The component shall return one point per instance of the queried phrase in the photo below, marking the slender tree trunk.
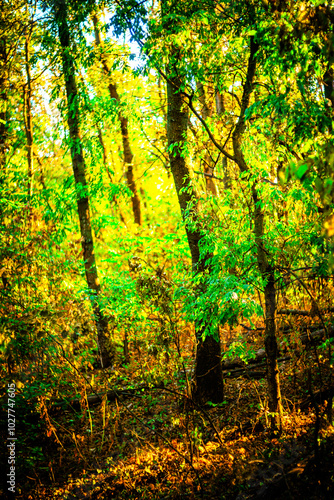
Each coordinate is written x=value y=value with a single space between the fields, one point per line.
x=78 y=164
x=209 y=164
x=329 y=83
x=27 y=114
x=162 y=100
x=271 y=347
x=105 y=163
x=4 y=80
x=265 y=268
x=208 y=371
x=127 y=153
x=4 y=85
x=104 y=151
x=220 y=109
x=219 y=101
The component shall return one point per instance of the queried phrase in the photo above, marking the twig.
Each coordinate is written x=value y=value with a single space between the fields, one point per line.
x=209 y=175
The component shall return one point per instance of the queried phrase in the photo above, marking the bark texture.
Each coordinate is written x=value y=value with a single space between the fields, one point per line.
x=78 y=164
x=127 y=152
x=208 y=370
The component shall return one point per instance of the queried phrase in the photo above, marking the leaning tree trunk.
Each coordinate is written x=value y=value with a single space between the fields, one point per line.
x=208 y=370
x=78 y=164
x=127 y=153
x=265 y=268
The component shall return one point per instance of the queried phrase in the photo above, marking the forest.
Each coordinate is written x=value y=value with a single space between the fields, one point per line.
x=167 y=249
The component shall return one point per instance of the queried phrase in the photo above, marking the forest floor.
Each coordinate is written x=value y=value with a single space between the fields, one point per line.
x=149 y=441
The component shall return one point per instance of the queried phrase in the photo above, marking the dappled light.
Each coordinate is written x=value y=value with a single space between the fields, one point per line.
x=166 y=250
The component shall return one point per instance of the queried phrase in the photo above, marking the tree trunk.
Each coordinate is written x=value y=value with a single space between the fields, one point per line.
x=270 y=340
x=4 y=80
x=105 y=163
x=209 y=164
x=329 y=93
x=265 y=268
x=80 y=180
x=5 y=66
x=208 y=370
x=219 y=100
x=27 y=114
x=127 y=153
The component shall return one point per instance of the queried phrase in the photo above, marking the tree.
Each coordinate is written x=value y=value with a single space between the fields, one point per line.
x=206 y=99
x=127 y=153
x=208 y=371
x=60 y=12
x=27 y=105
x=263 y=254
x=5 y=50
x=12 y=26
x=263 y=257
x=10 y=34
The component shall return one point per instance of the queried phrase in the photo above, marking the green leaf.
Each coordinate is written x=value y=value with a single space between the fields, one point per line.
x=301 y=171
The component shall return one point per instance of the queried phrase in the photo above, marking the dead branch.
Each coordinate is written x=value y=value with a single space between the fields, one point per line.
x=301 y=312
x=94 y=399
x=231 y=369
x=316 y=336
x=250 y=370
x=307 y=338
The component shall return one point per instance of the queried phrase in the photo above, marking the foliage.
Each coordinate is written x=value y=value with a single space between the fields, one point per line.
x=151 y=298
